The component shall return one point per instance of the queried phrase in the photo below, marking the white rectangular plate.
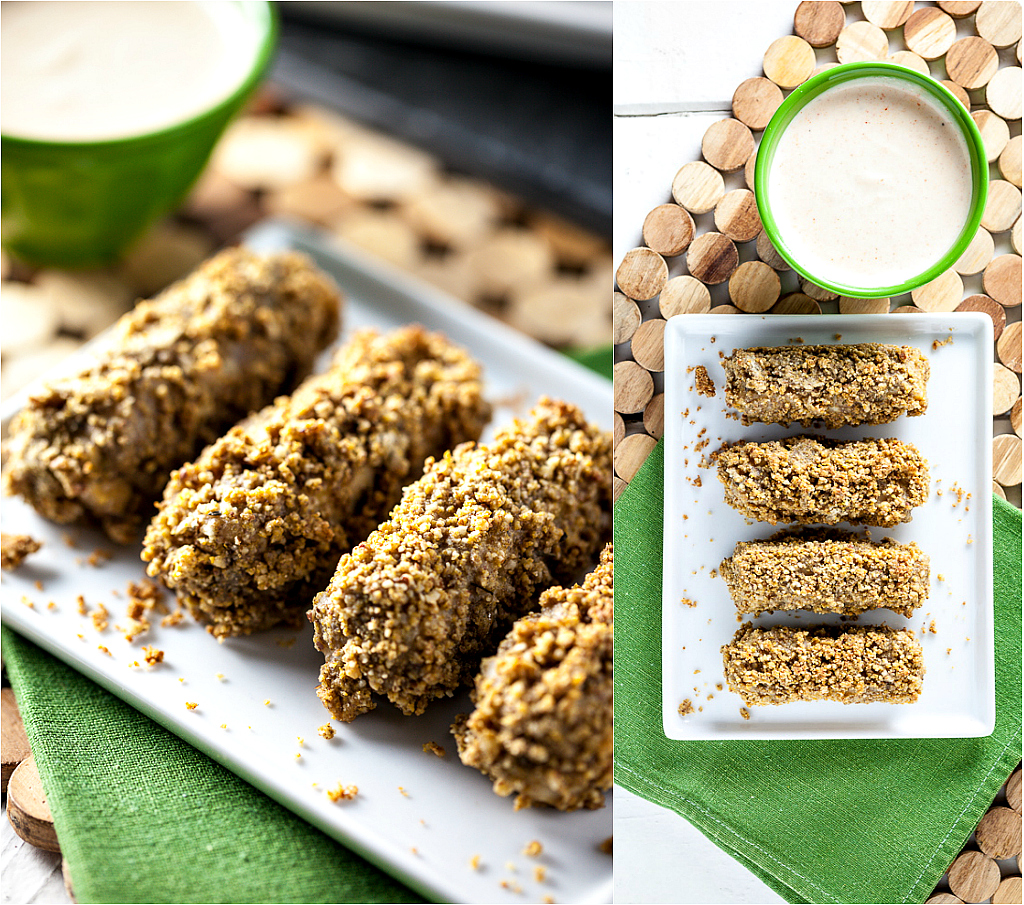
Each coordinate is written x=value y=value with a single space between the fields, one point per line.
x=420 y=817
x=954 y=527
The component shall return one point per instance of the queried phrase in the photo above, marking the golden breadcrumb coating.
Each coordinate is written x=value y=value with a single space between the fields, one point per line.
x=251 y=530
x=410 y=612
x=542 y=727
x=179 y=370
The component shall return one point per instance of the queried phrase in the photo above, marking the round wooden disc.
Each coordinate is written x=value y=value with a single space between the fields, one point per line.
x=1009 y=161
x=990 y=307
x=631 y=453
x=849 y=305
x=633 y=387
x=1006 y=464
x=957 y=92
x=725 y=309
x=767 y=253
x=789 y=61
x=755 y=100
x=642 y=273
x=862 y=41
x=13 y=741
x=727 y=145
x=994 y=132
x=959 y=9
x=1013 y=784
x=978 y=254
x=911 y=60
x=1002 y=208
x=648 y=345
x=971 y=62
x=654 y=416
x=750 y=170
x=1003 y=92
x=907 y=309
x=65 y=873
x=1008 y=347
x=618 y=485
x=1005 y=392
x=973 y=876
x=754 y=287
x=998 y=22
x=698 y=187
x=816 y=292
x=1009 y=891
x=685 y=295
x=929 y=32
x=797 y=303
x=999 y=492
x=1002 y=280
x=944 y=898
x=712 y=258
x=626 y=317
x=668 y=229
x=819 y=23
x=943 y=293
x=1016 y=423
x=736 y=215
x=887 y=13
x=27 y=808
x=618 y=428
x=1015 y=235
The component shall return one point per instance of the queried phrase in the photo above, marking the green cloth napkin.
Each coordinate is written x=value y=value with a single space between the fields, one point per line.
x=862 y=821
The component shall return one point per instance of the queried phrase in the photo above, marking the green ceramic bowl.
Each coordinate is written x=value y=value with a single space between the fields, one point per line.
x=822 y=82
x=77 y=204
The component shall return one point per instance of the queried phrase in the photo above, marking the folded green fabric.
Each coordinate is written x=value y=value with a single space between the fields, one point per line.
x=862 y=821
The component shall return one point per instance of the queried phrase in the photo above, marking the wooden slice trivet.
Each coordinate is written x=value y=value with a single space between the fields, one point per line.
x=712 y=258
x=994 y=133
x=457 y=212
x=849 y=305
x=698 y=187
x=65 y=873
x=618 y=485
x=789 y=61
x=862 y=41
x=572 y=244
x=27 y=809
x=558 y=312
x=648 y=345
x=929 y=32
x=626 y=317
x=999 y=833
x=971 y=62
x=1009 y=891
x=1017 y=425
x=957 y=92
x=797 y=303
x=1014 y=782
x=973 y=877
x=755 y=100
x=267 y=152
x=618 y=428
x=736 y=215
x=911 y=60
x=908 y=309
x=725 y=309
x=510 y=258
x=767 y=253
x=1002 y=280
x=750 y=171
x=1009 y=161
x=1003 y=92
x=319 y=199
x=727 y=145
x=816 y=292
x=978 y=255
x=1015 y=235
x=385 y=234
x=684 y=295
x=1008 y=347
x=1002 y=208
x=999 y=22
x=654 y=416
x=819 y=23
x=990 y=306
x=13 y=741
x=631 y=453
x=999 y=492
x=668 y=229
x=959 y=9
x=887 y=13
x=642 y=273
x=943 y=293
x=944 y=898
x=754 y=287
x=633 y=387
x=1006 y=463
x=1005 y=392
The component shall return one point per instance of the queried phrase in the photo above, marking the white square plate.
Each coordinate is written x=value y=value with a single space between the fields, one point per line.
x=420 y=817
x=954 y=529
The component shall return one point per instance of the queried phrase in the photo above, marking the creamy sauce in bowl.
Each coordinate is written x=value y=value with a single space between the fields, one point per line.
x=870 y=184
x=94 y=71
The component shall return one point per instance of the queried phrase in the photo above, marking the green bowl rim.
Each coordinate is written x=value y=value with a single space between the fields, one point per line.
x=811 y=89
x=261 y=60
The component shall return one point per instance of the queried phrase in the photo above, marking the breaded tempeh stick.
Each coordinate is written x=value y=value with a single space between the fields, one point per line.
x=250 y=531
x=864 y=383
x=542 y=727
x=826 y=572
x=812 y=480
x=411 y=611
x=179 y=371
x=857 y=664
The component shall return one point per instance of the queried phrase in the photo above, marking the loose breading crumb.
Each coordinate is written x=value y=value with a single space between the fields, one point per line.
x=104 y=649
x=705 y=385
x=548 y=900
x=510 y=867
x=27 y=602
x=474 y=862
x=225 y=726
x=402 y=792
x=99 y=618
x=326 y=731
x=98 y=556
x=191 y=705
x=686 y=707
x=539 y=873
x=745 y=713
x=51 y=605
x=80 y=603
x=606 y=846
x=172 y=618
x=533 y=849
x=342 y=793
x=932 y=628
x=286 y=643
x=152 y=655
x=686 y=601
x=14 y=548
x=267 y=703
x=219 y=677
x=434 y=748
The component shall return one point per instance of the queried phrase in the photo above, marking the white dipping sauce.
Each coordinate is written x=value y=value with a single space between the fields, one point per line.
x=89 y=71
x=870 y=184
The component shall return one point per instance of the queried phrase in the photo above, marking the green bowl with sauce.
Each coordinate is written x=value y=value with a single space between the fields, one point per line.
x=871 y=179
x=81 y=203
